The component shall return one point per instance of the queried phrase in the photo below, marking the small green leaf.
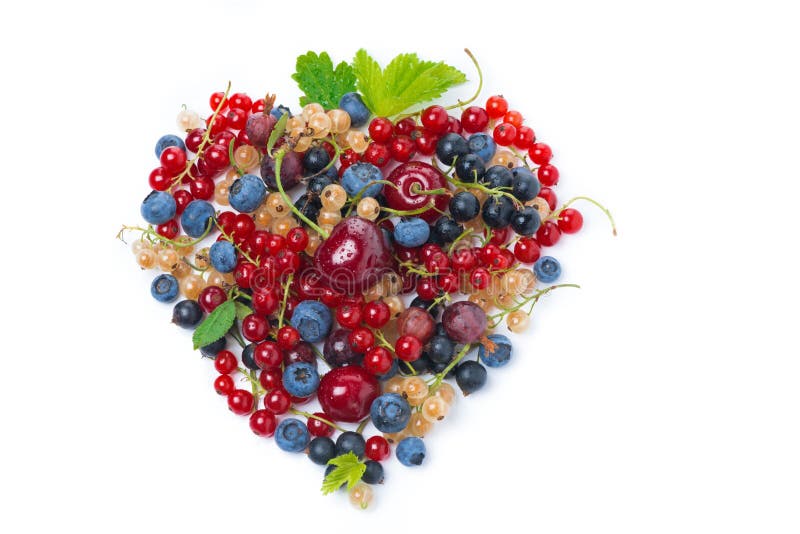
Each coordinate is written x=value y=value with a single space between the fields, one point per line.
x=349 y=470
x=277 y=131
x=242 y=310
x=215 y=325
x=320 y=82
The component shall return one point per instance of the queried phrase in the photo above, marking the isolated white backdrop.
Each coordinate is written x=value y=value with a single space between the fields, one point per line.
x=660 y=397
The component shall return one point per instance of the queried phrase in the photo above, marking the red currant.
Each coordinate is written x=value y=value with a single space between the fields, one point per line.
x=241 y=401
x=240 y=100
x=548 y=234
x=194 y=139
x=223 y=385
x=405 y=126
x=447 y=282
x=496 y=106
x=182 y=199
x=243 y=273
x=513 y=117
x=570 y=221
x=243 y=226
x=297 y=239
x=525 y=138
x=277 y=401
x=540 y=153
x=225 y=363
x=288 y=337
x=463 y=260
x=435 y=119
x=160 y=179
x=275 y=244
x=474 y=119
x=527 y=250
x=348 y=316
x=378 y=360
x=408 y=348
x=267 y=355
x=217 y=157
x=361 y=339
x=376 y=314
x=454 y=125
x=426 y=142
x=271 y=378
x=317 y=428
x=202 y=188
x=377 y=154
x=173 y=160
x=550 y=196
x=255 y=327
x=217 y=99
x=504 y=134
x=263 y=423
x=479 y=278
x=168 y=229
x=548 y=175
x=377 y=448
x=437 y=262
x=211 y=297
x=265 y=302
x=402 y=148
x=381 y=129
x=426 y=289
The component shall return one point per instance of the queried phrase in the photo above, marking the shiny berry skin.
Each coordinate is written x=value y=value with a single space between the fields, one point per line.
x=570 y=221
x=540 y=153
x=378 y=360
x=435 y=119
x=405 y=126
x=377 y=448
x=426 y=142
x=217 y=157
x=504 y=134
x=263 y=423
x=463 y=260
x=182 y=198
x=271 y=378
x=408 y=348
x=240 y=100
x=513 y=117
x=194 y=139
x=426 y=288
x=317 y=428
x=346 y=393
x=348 y=316
x=267 y=355
x=376 y=314
x=243 y=273
x=401 y=148
x=479 y=278
x=496 y=106
x=211 y=297
x=241 y=402
x=255 y=327
x=525 y=138
x=548 y=175
x=243 y=225
x=548 y=234
x=216 y=99
x=349 y=157
x=225 y=363
x=550 y=196
x=168 y=229
x=159 y=179
x=454 y=125
x=277 y=401
x=202 y=188
x=378 y=154
x=437 y=262
x=381 y=129
x=297 y=239
x=223 y=385
x=361 y=339
x=447 y=282
x=474 y=119
x=173 y=160
x=527 y=250
x=288 y=337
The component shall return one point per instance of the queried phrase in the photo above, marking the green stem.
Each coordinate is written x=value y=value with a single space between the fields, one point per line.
x=238 y=170
x=229 y=238
x=354 y=201
x=278 y=160
x=496 y=318
x=362 y=425
x=253 y=381
x=318 y=418
x=481 y=187
x=554 y=215
x=284 y=299
x=522 y=157
x=440 y=376
x=152 y=234
x=400 y=213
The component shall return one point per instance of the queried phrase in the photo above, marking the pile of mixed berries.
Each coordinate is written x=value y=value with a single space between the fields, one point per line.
x=359 y=262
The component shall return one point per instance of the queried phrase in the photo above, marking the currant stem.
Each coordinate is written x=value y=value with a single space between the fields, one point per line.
x=286 y=286
x=533 y=299
x=254 y=383
x=236 y=168
x=440 y=376
x=402 y=213
x=318 y=418
x=229 y=238
x=278 y=160
x=152 y=234
x=481 y=187
x=357 y=198
x=362 y=425
x=554 y=215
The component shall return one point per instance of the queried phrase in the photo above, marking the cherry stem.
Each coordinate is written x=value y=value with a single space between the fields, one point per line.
x=555 y=214
x=440 y=376
x=286 y=286
x=417 y=190
x=278 y=161
x=498 y=317
x=318 y=418
x=355 y=200
x=402 y=213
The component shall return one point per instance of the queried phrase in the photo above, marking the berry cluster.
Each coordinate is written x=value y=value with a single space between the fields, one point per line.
x=348 y=295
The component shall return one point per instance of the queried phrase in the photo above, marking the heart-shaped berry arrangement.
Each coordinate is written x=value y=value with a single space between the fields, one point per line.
x=349 y=294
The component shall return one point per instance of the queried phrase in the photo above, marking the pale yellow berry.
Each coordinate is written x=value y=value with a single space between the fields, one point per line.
x=216 y=278
x=329 y=217
x=435 y=408
x=513 y=283
x=302 y=144
x=357 y=141
x=368 y=208
x=340 y=120
x=282 y=225
x=506 y=301
x=181 y=270
x=418 y=426
x=482 y=300
x=314 y=241
x=146 y=258
x=446 y=392
x=394 y=385
x=361 y=495
x=415 y=390
x=295 y=123
x=167 y=259
x=518 y=321
x=327 y=228
x=320 y=124
x=201 y=259
x=528 y=280
x=541 y=206
x=396 y=305
x=333 y=197
x=309 y=110
x=505 y=158
x=140 y=245
x=396 y=437
x=246 y=157
x=191 y=286
x=392 y=283
x=276 y=206
x=262 y=217
x=188 y=120
x=184 y=248
x=221 y=194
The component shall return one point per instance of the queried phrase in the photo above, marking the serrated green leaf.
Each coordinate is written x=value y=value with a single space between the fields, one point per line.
x=277 y=131
x=406 y=81
x=320 y=82
x=242 y=310
x=215 y=325
x=349 y=470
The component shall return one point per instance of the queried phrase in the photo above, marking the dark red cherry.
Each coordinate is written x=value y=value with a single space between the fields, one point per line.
x=346 y=393
x=412 y=177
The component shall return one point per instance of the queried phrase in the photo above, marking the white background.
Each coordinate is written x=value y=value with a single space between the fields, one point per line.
x=661 y=397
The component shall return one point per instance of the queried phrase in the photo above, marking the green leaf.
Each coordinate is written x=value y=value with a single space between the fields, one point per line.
x=215 y=325
x=277 y=131
x=406 y=81
x=242 y=310
x=349 y=470
x=320 y=82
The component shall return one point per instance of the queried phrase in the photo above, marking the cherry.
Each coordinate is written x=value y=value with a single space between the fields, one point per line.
x=381 y=129
x=411 y=177
x=377 y=448
x=548 y=234
x=434 y=119
x=540 y=153
x=474 y=119
x=317 y=428
x=255 y=327
x=223 y=384
x=225 y=363
x=211 y=297
x=570 y=221
x=408 y=348
x=346 y=393
x=548 y=175
x=241 y=402
x=496 y=106
x=263 y=423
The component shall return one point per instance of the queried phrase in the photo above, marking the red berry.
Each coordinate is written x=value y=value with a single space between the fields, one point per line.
x=258 y=106
x=499 y=235
x=348 y=316
x=275 y=244
x=426 y=142
x=474 y=119
x=271 y=378
x=376 y=314
x=378 y=360
x=496 y=106
x=550 y=196
x=377 y=448
x=173 y=160
x=182 y=199
x=426 y=289
x=194 y=139
x=217 y=157
x=225 y=363
x=288 y=261
x=408 y=348
x=263 y=423
x=255 y=327
x=548 y=234
x=381 y=129
x=241 y=401
x=428 y=250
x=211 y=297
x=540 y=153
x=361 y=339
x=216 y=124
x=349 y=157
x=548 y=175
x=223 y=384
x=243 y=273
x=463 y=260
x=217 y=99
x=243 y=226
x=277 y=401
x=288 y=337
x=317 y=428
x=377 y=154
x=267 y=355
x=330 y=297
x=202 y=188
x=159 y=179
x=297 y=239
x=525 y=138
x=513 y=117
x=265 y=302
x=402 y=148
x=437 y=262
x=168 y=229
x=226 y=221
x=504 y=134
x=435 y=119
x=454 y=125
x=224 y=139
x=479 y=278
x=447 y=282
x=240 y=100
x=405 y=126
x=570 y=221
x=527 y=250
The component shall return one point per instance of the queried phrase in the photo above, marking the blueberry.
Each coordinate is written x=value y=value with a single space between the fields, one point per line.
x=318 y=183
x=247 y=193
x=350 y=442
x=223 y=256
x=167 y=141
x=450 y=147
x=196 y=217
x=300 y=379
x=482 y=145
x=390 y=412
x=525 y=186
x=292 y=435
x=464 y=206
x=164 y=288
x=499 y=354
x=321 y=450
x=315 y=159
x=470 y=168
x=547 y=269
x=441 y=349
x=248 y=359
x=470 y=376
x=497 y=211
x=447 y=229
x=410 y=451
x=354 y=106
x=526 y=221
x=212 y=349
x=358 y=175
x=337 y=351
x=374 y=473
x=280 y=111
x=313 y=320
x=498 y=176
x=187 y=314
x=391 y=372
x=158 y=207
x=309 y=206
x=412 y=232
